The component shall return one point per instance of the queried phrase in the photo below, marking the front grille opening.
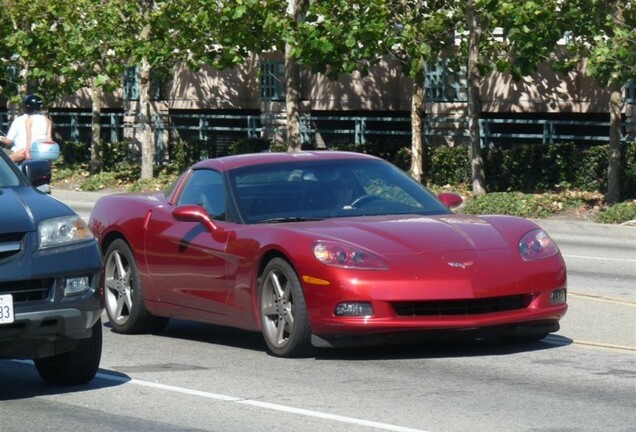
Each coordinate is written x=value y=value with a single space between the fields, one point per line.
x=462 y=307
x=49 y=323
x=11 y=244
x=28 y=290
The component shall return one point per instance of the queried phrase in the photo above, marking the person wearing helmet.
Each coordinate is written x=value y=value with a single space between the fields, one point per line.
x=31 y=126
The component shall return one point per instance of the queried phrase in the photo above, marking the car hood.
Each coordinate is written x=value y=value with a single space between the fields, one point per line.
x=24 y=207
x=400 y=235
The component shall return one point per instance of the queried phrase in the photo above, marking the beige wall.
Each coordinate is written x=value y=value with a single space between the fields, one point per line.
x=383 y=89
x=386 y=89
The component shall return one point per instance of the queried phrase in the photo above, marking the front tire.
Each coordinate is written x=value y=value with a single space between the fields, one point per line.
x=124 y=295
x=283 y=311
x=74 y=367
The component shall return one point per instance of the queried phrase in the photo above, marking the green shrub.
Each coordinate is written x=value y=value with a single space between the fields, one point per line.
x=589 y=168
x=159 y=183
x=396 y=153
x=512 y=203
x=447 y=165
x=73 y=153
x=628 y=183
x=116 y=154
x=619 y=213
x=255 y=145
x=100 y=181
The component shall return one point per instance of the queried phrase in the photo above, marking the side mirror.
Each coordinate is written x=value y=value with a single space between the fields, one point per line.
x=194 y=213
x=38 y=172
x=450 y=200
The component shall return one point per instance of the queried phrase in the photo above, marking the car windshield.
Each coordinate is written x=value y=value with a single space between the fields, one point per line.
x=302 y=191
x=8 y=177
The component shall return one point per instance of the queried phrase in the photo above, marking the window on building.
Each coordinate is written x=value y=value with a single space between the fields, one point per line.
x=445 y=84
x=630 y=92
x=131 y=85
x=273 y=80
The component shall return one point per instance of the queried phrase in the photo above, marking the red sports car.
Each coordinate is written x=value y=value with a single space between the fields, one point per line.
x=323 y=249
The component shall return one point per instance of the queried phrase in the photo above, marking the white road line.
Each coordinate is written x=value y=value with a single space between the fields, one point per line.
x=600 y=258
x=259 y=404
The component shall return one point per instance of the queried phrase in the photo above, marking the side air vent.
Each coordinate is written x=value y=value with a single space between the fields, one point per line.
x=10 y=245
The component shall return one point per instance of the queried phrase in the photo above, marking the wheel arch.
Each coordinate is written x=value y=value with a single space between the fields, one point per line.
x=265 y=259
x=109 y=238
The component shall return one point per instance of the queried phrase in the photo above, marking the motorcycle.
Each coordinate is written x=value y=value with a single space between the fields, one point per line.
x=42 y=150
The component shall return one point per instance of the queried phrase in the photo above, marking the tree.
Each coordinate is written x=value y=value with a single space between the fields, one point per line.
x=410 y=32
x=91 y=53
x=196 y=32
x=506 y=36
x=419 y=33
x=296 y=10
x=605 y=36
x=316 y=38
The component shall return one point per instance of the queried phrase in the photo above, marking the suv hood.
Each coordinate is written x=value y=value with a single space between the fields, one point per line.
x=22 y=209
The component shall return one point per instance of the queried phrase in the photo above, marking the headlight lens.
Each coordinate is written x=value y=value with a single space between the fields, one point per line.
x=344 y=256
x=62 y=231
x=537 y=245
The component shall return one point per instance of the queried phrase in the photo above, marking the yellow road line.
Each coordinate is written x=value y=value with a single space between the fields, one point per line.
x=605 y=346
x=601 y=298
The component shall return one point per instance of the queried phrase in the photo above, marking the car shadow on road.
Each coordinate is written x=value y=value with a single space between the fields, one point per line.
x=213 y=334
x=20 y=380
x=436 y=349
x=428 y=348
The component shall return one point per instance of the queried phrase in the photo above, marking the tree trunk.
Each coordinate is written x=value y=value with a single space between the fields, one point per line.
x=96 y=129
x=296 y=11
x=144 y=114
x=474 y=102
x=292 y=102
x=614 y=156
x=147 y=142
x=417 y=109
x=615 y=106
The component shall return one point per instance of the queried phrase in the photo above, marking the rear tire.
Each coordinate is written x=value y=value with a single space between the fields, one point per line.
x=124 y=295
x=283 y=311
x=74 y=367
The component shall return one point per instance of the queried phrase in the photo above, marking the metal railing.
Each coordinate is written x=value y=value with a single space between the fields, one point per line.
x=76 y=126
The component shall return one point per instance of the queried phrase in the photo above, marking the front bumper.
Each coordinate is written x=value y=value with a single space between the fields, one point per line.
x=46 y=333
x=46 y=321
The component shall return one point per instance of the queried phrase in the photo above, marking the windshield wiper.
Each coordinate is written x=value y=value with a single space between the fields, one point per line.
x=289 y=219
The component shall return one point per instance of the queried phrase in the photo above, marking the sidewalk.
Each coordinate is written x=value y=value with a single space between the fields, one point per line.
x=78 y=200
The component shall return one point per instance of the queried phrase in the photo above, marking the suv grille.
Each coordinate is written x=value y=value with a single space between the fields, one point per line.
x=28 y=290
x=462 y=307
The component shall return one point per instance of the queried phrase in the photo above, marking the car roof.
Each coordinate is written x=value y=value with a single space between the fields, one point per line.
x=226 y=163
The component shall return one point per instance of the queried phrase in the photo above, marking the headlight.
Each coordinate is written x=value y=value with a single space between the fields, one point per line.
x=344 y=256
x=537 y=245
x=62 y=231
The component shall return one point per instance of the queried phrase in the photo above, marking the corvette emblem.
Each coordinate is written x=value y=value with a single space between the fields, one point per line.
x=461 y=265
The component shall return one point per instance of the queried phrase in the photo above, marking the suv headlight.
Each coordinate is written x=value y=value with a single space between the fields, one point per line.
x=63 y=231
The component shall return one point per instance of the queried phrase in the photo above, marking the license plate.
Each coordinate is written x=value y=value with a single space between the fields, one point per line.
x=6 y=309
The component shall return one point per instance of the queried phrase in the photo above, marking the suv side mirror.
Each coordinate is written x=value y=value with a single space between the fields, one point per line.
x=38 y=172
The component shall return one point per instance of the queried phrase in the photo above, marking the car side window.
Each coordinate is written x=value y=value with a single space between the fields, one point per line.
x=206 y=189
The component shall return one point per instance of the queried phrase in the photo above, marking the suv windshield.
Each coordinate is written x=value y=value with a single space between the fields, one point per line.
x=8 y=176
